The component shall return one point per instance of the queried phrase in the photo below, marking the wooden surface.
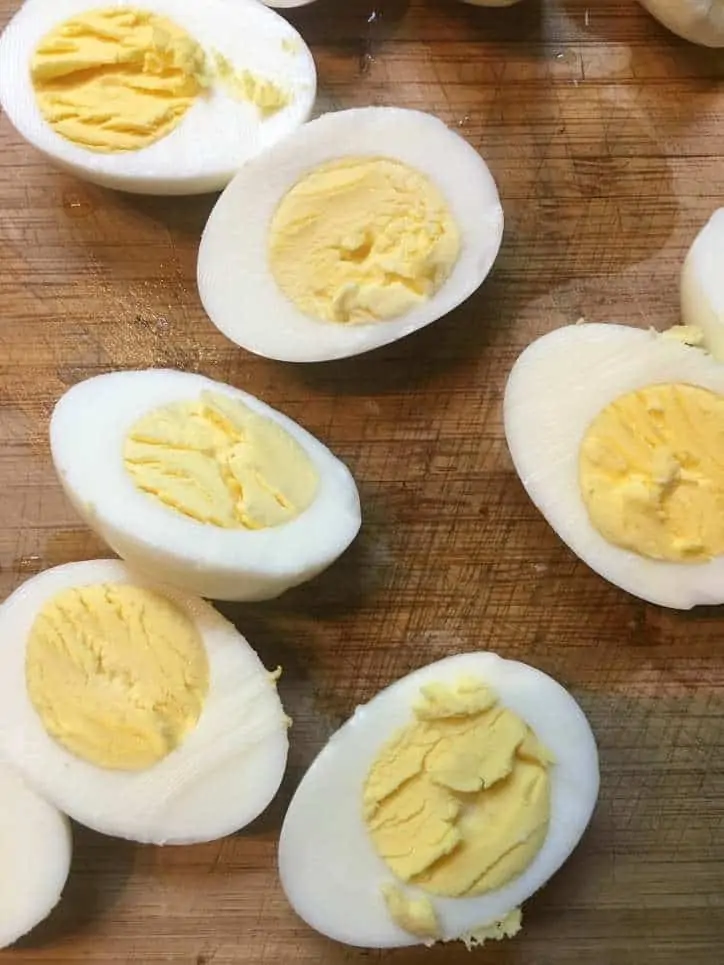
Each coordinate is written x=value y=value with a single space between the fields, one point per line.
x=606 y=136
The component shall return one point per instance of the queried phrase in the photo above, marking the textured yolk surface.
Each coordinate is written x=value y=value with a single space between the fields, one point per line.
x=415 y=915
x=244 y=85
x=220 y=463
x=651 y=473
x=361 y=240
x=118 y=674
x=458 y=802
x=117 y=79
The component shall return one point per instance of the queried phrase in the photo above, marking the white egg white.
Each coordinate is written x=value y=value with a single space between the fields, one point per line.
x=702 y=284
x=36 y=849
x=329 y=868
x=223 y=775
x=699 y=21
x=556 y=388
x=236 y=285
x=218 y=133
x=87 y=433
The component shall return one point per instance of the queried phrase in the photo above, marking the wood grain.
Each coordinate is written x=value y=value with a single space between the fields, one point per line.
x=605 y=135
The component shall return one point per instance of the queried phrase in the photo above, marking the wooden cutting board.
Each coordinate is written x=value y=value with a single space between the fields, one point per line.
x=607 y=140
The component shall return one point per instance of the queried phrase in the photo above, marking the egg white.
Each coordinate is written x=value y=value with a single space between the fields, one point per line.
x=235 y=282
x=329 y=868
x=699 y=21
x=226 y=771
x=702 y=284
x=557 y=387
x=87 y=432
x=36 y=848
x=218 y=133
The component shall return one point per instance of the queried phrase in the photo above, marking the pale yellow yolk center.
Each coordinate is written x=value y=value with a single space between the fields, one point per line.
x=362 y=240
x=218 y=462
x=651 y=472
x=119 y=79
x=116 y=79
x=458 y=802
x=117 y=674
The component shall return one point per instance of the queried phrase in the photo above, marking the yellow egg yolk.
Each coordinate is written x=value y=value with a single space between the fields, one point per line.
x=506 y=927
x=119 y=79
x=118 y=674
x=414 y=915
x=651 y=473
x=362 y=239
x=458 y=802
x=216 y=461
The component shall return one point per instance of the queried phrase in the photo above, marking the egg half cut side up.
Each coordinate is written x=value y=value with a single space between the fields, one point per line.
x=36 y=848
x=333 y=871
x=363 y=227
x=204 y=88
x=615 y=434
x=202 y=485
x=137 y=710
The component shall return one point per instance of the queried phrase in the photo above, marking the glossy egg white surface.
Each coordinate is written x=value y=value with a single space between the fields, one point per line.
x=557 y=387
x=36 y=849
x=236 y=285
x=699 y=21
x=329 y=868
x=702 y=284
x=218 y=134
x=221 y=777
x=87 y=431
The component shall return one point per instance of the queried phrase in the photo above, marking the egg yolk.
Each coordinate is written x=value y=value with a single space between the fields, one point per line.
x=458 y=802
x=117 y=674
x=119 y=79
x=217 y=461
x=362 y=239
x=651 y=473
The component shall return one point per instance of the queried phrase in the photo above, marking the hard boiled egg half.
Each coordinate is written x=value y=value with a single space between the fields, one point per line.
x=362 y=227
x=154 y=96
x=618 y=436
x=447 y=801
x=36 y=848
x=136 y=709
x=702 y=284
x=200 y=484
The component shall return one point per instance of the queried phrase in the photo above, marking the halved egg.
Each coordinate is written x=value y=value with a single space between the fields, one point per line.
x=136 y=709
x=363 y=227
x=202 y=485
x=618 y=436
x=699 y=21
x=36 y=848
x=702 y=284
x=448 y=800
x=154 y=96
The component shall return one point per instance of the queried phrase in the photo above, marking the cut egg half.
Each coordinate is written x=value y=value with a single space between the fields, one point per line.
x=36 y=848
x=249 y=83
x=363 y=227
x=330 y=870
x=202 y=485
x=642 y=410
x=88 y=674
x=702 y=284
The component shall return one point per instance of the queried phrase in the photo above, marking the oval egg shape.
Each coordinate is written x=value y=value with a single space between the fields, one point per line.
x=702 y=285
x=219 y=778
x=330 y=870
x=88 y=431
x=244 y=45
x=557 y=387
x=699 y=23
x=36 y=845
x=238 y=287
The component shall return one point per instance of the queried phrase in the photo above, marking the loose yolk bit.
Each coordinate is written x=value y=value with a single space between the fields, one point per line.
x=458 y=802
x=652 y=475
x=117 y=79
x=217 y=461
x=361 y=240
x=118 y=674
